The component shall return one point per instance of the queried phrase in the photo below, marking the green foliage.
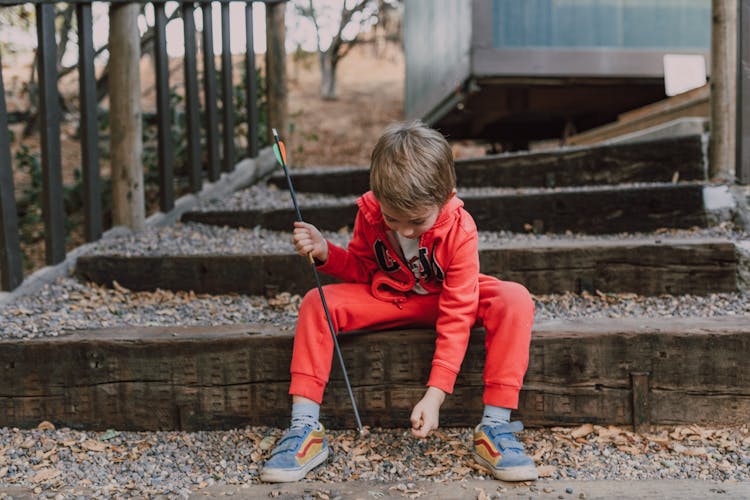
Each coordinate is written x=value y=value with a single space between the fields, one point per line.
x=239 y=95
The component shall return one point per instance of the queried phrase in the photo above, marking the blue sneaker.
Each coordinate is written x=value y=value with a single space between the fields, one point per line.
x=496 y=448
x=298 y=451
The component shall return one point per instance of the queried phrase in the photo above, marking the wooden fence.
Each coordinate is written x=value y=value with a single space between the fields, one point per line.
x=11 y=271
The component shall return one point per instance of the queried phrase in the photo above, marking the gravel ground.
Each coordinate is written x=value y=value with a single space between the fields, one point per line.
x=69 y=304
x=137 y=464
x=196 y=239
x=269 y=196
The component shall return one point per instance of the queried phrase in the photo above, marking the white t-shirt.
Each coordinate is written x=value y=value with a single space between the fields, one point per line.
x=410 y=249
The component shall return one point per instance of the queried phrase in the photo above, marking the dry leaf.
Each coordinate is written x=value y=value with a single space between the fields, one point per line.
x=481 y=494
x=630 y=449
x=695 y=452
x=546 y=470
x=267 y=443
x=45 y=475
x=582 y=431
x=92 y=445
x=46 y=426
x=119 y=287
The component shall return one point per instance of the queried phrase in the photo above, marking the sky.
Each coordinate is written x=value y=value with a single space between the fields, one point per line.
x=300 y=31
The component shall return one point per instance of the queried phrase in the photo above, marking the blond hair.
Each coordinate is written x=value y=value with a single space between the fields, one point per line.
x=411 y=167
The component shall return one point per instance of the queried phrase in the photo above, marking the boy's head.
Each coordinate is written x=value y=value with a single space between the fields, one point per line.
x=412 y=168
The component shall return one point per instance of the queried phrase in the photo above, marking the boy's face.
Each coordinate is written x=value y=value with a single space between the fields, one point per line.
x=410 y=224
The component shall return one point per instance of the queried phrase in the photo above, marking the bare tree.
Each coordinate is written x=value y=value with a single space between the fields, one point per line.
x=337 y=29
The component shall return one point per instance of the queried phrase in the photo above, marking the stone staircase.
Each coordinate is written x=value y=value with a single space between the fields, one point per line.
x=633 y=218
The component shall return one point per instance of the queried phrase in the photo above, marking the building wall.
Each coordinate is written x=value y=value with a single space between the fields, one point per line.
x=437 y=41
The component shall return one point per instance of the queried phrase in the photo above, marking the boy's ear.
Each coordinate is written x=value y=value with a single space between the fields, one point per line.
x=450 y=196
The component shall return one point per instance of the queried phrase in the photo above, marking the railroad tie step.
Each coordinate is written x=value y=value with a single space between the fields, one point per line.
x=588 y=210
x=662 y=160
x=611 y=371
x=645 y=266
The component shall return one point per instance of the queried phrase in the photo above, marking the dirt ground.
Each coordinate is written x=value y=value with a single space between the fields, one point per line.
x=370 y=89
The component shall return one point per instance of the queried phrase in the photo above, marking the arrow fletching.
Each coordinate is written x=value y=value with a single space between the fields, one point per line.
x=279 y=150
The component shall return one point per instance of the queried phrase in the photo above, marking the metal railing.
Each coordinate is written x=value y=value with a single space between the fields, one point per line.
x=11 y=271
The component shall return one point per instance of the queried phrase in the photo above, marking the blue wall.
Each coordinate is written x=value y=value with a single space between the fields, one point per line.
x=623 y=24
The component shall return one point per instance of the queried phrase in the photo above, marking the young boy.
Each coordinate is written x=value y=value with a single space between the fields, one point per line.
x=412 y=261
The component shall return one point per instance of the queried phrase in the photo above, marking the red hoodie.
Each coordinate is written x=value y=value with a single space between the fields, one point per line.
x=450 y=259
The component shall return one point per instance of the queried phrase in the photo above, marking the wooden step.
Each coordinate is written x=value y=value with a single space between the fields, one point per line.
x=678 y=371
x=592 y=210
x=642 y=266
x=648 y=161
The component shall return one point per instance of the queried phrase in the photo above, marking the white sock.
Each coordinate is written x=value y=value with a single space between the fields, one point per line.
x=495 y=415
x=305 y=415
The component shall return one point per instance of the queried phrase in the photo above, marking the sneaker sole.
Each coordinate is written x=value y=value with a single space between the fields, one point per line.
x=292 y=475
x=521 y=473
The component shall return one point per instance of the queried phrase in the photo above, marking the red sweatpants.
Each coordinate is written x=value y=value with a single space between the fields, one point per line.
x=506 y=310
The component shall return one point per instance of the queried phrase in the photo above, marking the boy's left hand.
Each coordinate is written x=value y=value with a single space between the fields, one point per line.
x=426 y=414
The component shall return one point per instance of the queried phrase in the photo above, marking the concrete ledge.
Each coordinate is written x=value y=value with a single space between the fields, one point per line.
x=654 y=489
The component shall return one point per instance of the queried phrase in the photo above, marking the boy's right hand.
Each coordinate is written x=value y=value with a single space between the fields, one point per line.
x=308 y=241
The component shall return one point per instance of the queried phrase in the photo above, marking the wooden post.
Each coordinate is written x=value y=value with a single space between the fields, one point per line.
x=126 y=141
x=276 y=84
x=723 y=72
x=11 y=264
x=742 y=158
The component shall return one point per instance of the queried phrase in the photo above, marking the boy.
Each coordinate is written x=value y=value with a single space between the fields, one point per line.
x=412 y=261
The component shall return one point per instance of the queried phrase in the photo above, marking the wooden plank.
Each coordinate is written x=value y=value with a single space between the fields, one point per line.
x=92 y=199
x=248 y=274
x=331 y=217
x=11 y=261
x=610 y=209
x=643 y=266
x=667 y=105
x=646 y=267
x=228 y=376
x=692 y=105
x=339 y=181
x=646 y=161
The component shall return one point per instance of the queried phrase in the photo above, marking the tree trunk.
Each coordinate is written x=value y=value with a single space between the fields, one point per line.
x=328 y=65
x=723 y=73
x=125 y=117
